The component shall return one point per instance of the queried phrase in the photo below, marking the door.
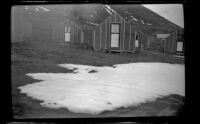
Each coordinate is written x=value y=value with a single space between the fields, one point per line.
x=179 y=45
x=137 y=40
x=115 y=33
x=67 y=34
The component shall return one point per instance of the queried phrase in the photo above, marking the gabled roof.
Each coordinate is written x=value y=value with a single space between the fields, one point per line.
x=88 y=15
x=146 y=18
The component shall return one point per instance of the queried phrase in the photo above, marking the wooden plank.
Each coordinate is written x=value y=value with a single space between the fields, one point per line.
x=106 y=34
x=112 y=18
x=121 y=34
x=135 y=40
x=100 y=35
x=118 y=18
x=169 y=41
x=77 y=35
x=124 y=34
x=173 y=41
x=82 y=36
x=129 y=39
x=115 y=17
x=94 y=39
x=109 y=35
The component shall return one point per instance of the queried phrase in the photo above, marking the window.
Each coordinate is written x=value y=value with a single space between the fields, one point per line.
x=137 y=37
x=67 y=33
x=67 y=29
x=115 y=35
x=115 y=28
x=180 y=37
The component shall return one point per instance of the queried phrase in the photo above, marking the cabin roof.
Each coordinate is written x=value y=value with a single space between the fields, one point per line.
x=90 y=15
x=145 y=17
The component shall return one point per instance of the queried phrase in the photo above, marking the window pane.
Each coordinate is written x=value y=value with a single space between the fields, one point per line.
x=68 y=29
x=67 y=37
x=65 y=28
x=115 y=28
x=114 y=40
x=179 y=46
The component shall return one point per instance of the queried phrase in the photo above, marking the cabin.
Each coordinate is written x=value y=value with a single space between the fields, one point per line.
x=43 y=25
x=115 y=34
x=127 y=28
x=20 y=28
x=155 y=31
x=107 y=29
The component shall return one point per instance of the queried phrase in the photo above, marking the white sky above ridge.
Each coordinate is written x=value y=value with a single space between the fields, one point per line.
x=172 y=12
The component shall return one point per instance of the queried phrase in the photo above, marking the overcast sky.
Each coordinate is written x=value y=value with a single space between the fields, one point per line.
x=172 y=12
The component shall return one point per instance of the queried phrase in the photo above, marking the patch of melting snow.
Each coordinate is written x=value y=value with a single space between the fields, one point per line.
x=108 y=88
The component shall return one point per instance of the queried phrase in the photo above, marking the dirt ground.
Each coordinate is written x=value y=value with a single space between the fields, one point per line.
x=33 y=56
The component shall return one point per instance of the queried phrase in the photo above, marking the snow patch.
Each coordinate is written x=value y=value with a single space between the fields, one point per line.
x=109 y=9
x=134 y=18
x=42 y=8
x=92 y=23
x=108 y=88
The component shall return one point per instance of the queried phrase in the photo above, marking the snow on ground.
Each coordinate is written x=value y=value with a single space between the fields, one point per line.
x=91 y=89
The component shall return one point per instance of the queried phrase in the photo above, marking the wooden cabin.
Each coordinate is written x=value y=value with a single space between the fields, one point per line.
x=46 y=26
x=115 y=34
x=119 y=28
x=20 y=27
x=150 y=24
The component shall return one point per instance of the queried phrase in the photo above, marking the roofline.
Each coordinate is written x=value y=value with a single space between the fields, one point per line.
x=177 y=26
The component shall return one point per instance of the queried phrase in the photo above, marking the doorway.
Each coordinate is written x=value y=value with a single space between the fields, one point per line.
x=115 y=33
x=67 y=34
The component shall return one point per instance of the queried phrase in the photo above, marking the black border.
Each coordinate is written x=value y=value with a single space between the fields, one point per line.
x=171 y=119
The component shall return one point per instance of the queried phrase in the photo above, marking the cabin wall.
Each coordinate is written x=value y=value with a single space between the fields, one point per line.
x=101 y=37
x=41 y=32
x=59 y=32
x=143 y=41
x=167 y=45
x=171 y=43
x=27 y=29
x=20 y=27
x=132 y=41
x=126 y=42
x=88 y=37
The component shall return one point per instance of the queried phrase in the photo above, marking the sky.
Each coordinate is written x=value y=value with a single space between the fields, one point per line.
x=172 y=12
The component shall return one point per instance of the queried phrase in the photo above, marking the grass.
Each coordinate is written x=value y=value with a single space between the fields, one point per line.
x=40 y=56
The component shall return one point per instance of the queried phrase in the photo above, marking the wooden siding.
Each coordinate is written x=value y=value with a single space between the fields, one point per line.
x=20 y=27
x=127 y=35
x=132 y=42
x=103 y=37
x=171 y=43
x=103 y=34
x=97 y=38
x=42 y=32
x=59 y=32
